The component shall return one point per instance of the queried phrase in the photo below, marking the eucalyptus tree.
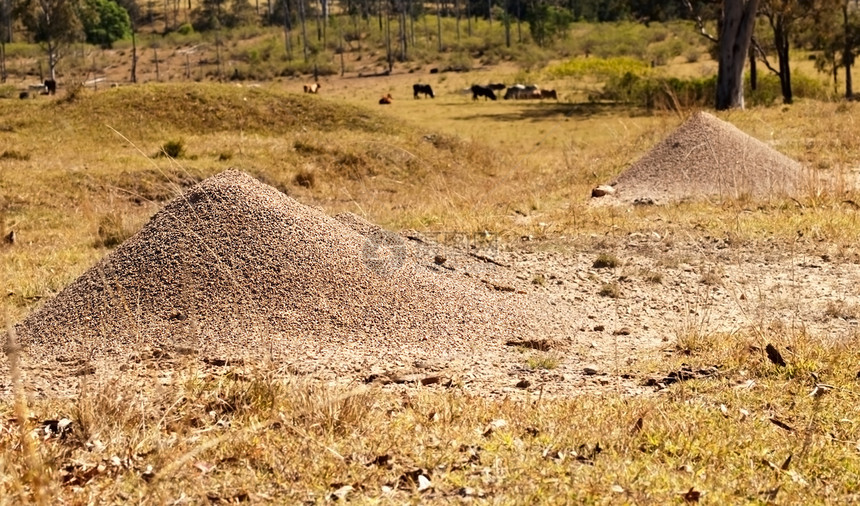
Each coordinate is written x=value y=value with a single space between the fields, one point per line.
x=54 y=24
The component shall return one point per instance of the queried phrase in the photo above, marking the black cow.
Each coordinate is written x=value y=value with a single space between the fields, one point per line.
x=51 y=86
x=422 y=88
x=482 y=91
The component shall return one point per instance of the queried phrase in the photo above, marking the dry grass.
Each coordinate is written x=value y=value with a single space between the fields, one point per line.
x=245 y=433
x=755 y=432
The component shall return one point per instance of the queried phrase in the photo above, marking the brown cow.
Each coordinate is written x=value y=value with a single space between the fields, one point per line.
x=312 y=88
x=385 y=100
x=548 y=94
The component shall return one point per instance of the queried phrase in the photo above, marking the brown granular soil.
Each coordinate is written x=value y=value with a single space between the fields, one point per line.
x=708 y=158
x=234 y=268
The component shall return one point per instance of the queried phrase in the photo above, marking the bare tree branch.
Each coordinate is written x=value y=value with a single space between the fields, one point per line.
x=700 y=24
x=762 y=56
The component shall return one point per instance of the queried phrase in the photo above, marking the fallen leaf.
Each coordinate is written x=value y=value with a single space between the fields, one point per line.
x=148 y=474
x=494 y=426
x=691 y=495
x=820 y=389
x=618 y=489
x=782 y=425
x=787 y=463
x=797 y=478
x=774 y=356
x=744 y=413
x=340 y=493
x=381 y=460
x=724 y=410
x=204 y=467
x=424 y=483
x=746 y=384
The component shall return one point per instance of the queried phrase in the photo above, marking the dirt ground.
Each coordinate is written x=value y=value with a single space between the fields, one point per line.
x=613 y=324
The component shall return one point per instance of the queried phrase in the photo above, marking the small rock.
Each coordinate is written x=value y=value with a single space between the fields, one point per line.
x=524 y=384
x=439 y=259
x=599 y=328
x=602 y=191
x=590 y=370
x=623 y=331
x=10 y=237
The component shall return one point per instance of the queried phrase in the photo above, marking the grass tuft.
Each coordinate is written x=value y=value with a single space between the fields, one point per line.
x=606 y=261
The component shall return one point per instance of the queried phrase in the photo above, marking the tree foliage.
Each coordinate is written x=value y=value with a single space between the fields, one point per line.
x=104 y=22
x=546 y=22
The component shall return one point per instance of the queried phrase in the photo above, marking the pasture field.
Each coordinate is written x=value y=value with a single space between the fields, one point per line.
x=81 y=172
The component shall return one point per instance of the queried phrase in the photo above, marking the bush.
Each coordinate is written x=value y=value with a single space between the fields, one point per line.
x=600 y=68
x=172 y=148
x=653 y=92
x=112 y=231
x=185 y=29
x=769 y=92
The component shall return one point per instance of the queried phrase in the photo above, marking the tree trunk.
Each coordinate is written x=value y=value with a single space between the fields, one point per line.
x=439 y=23
x=847 y=54
x=7 y=17
x=519 y=23
x=507 y=30
x=457 y=10
x=288 y=41
x=780 y=38
x=52 y=60
x=404 y=32
x=388 y=40
x=737 y=28
x=753 y=70
x=2 y=60
x=304 y=29
x=133 y=54
x=468 y=18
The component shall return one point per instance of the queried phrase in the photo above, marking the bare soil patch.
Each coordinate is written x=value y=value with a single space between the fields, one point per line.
x=234 y=272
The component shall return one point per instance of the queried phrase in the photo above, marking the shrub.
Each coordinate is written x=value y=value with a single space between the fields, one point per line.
x=600 y=68
x=112 y=231
x=172 y=148
x=305 y=178
x=654 y=92
x=606 y=260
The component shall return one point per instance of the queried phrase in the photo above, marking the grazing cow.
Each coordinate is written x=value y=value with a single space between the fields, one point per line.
x=23 y=95
x=482 y=91
x=434 y=71
x=549 y=94
x=51 y=86
x=422 y=88
x=514 y=92
x=312 y=88
x=520 y=91
x=385 y=100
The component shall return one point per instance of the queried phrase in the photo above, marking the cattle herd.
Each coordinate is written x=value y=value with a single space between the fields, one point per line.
x=514 y=92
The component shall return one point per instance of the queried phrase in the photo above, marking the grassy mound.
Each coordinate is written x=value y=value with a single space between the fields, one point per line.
x=216 y=108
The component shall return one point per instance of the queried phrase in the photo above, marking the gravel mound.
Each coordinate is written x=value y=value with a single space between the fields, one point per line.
x=707 y=157
x=234 y=268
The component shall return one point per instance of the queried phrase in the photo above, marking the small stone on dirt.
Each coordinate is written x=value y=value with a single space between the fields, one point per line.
x=590 y=370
